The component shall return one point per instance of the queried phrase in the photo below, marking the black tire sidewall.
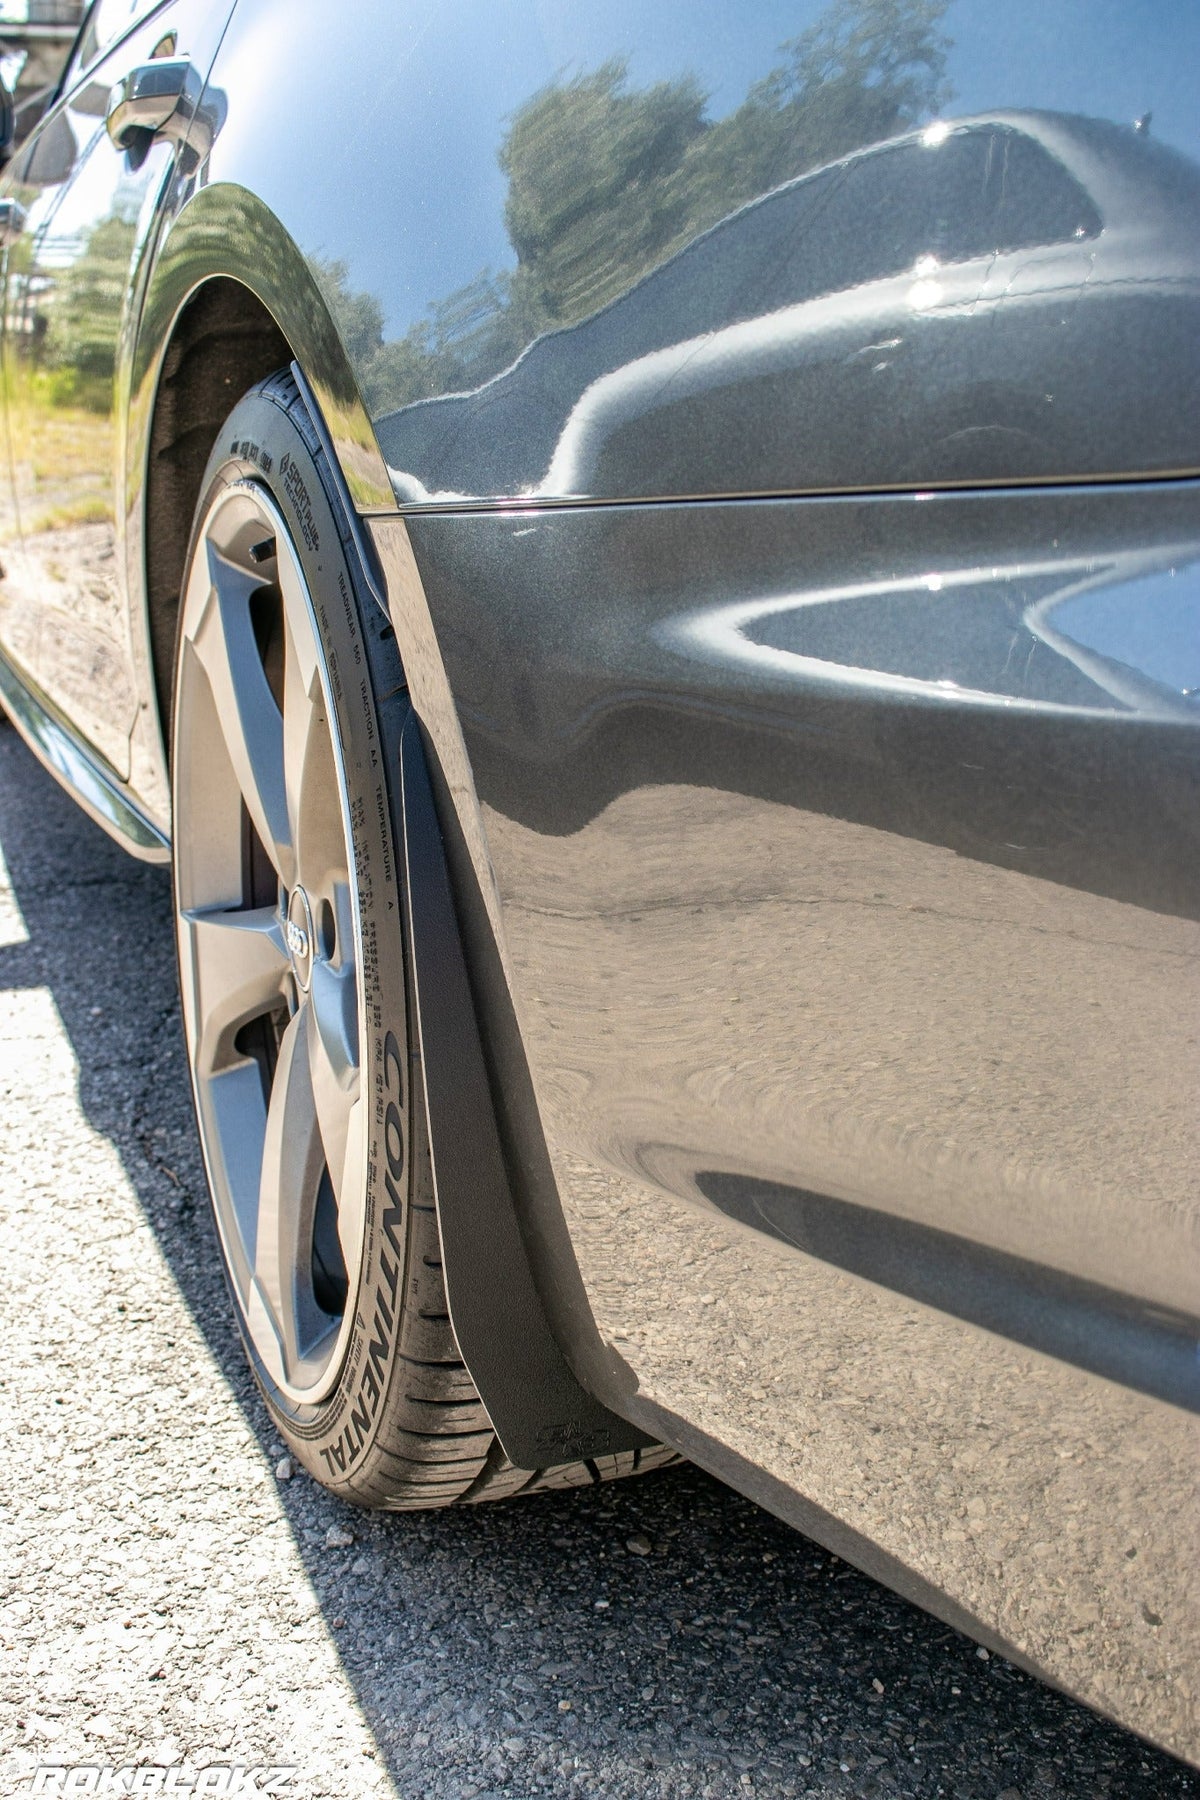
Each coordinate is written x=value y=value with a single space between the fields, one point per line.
x=268 y=441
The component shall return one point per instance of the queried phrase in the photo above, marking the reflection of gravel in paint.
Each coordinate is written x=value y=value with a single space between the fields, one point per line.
x=968 y=1046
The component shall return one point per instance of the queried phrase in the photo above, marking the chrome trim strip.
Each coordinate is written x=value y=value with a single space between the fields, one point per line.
x=78 y=767
x=512 y=503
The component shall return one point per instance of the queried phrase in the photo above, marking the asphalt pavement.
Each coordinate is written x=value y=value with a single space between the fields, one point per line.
x=171 y=1592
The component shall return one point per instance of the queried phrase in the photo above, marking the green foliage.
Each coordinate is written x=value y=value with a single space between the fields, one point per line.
x=866 y=71
x=592 y=202
x=84 y=315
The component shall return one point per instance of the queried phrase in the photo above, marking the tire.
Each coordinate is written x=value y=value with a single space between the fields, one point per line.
x=293 y=986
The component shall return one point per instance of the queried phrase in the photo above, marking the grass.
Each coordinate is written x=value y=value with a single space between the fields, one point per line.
x=88 y=509
x=57 y=443
x=61 y=452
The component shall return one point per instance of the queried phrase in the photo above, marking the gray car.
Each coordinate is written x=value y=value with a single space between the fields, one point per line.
x=641 y=568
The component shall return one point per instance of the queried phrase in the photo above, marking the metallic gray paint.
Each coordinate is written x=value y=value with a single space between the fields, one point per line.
x=223 y=230
x=910 y=363
x=858 y=999
x=1005 y=296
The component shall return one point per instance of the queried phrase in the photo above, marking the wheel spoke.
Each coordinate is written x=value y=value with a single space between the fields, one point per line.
x=236 y=965
x=351 y=1195
x=334 y=993
x=310 y=775
x=250 y=718
x=333 y=1060
x=292 y=1165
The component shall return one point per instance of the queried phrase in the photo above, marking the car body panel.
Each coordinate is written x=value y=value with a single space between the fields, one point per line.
x=938 y=310
x=857 y=995
x=830 y=852
x=74 y=279
x=909 y=314
x=827 y=861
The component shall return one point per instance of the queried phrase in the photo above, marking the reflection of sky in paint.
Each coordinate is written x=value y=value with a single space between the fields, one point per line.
x=449 y=193
x=1152 y=625
x=91 y=197
x=973 y=635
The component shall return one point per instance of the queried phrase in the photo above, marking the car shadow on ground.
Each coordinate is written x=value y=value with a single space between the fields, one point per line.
x=660 y=1636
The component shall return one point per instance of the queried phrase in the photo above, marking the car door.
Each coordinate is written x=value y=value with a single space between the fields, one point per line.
x=88 y=210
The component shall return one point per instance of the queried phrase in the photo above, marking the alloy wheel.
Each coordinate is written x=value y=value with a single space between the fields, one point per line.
x=270 y=941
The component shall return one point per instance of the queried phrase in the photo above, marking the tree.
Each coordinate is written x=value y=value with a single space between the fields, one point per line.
x=84 y=310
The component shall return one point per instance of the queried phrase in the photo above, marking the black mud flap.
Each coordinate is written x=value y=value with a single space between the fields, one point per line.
x=540 y=1412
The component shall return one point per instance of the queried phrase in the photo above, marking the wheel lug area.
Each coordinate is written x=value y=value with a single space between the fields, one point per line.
x=326 y=939
x=300 y=936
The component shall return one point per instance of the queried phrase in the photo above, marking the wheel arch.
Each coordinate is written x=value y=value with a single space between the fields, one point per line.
x=230 y=298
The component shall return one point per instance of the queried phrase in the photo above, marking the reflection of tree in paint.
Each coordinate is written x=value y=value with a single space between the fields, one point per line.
x=85 y=312
x=605 y=182
x=69 y=318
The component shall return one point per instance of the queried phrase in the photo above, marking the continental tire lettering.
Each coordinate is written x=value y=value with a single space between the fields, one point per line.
x=353 y=1442
x=350 y=1442
x=393 y=1218
x=391 y=1055
x=340 y=1452
x=394 y=1129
